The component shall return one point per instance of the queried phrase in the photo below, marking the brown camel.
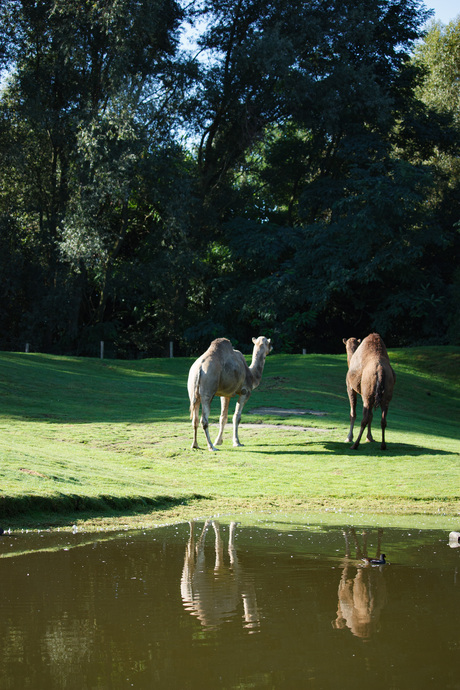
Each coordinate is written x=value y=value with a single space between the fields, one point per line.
x=223 y=371
x=362 y=591
x=369 y=374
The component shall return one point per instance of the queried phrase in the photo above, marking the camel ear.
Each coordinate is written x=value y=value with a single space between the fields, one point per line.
x=254 y=340
x=359 y=340
x=344 y=341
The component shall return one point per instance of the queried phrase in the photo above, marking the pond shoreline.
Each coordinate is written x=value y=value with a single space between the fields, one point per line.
x=202 y=508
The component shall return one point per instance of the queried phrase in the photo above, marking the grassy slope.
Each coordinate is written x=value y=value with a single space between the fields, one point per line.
x=85 y=435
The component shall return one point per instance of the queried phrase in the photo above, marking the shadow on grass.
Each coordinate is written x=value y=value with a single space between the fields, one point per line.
x=394 y=450
x=75 y=506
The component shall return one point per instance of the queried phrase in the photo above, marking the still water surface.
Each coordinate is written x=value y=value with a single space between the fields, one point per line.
x=212 y=605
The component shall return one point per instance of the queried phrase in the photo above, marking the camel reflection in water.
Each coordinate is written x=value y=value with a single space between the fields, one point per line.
x=362 y=590
x=213 y=594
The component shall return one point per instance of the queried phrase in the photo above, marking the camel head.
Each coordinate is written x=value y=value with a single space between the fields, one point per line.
x=351 y=345
x=262 y=343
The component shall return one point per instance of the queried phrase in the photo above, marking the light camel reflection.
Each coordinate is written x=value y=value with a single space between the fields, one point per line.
x=362 y=589
x=214 y=593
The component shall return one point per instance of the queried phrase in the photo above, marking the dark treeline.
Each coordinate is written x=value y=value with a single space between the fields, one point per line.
x=293 y=173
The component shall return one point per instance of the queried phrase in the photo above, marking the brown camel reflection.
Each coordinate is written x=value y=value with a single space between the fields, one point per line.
x=362 y=590
x=213 y=594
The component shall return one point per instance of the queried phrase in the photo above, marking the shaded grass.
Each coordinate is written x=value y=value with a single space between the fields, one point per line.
x=85 y=437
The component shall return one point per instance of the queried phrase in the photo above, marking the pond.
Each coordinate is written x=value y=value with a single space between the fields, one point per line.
x=222 y=604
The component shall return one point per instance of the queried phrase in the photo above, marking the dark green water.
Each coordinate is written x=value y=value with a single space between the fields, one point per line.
x=283 y=607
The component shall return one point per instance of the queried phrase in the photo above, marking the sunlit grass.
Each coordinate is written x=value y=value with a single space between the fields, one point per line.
x=81 y=435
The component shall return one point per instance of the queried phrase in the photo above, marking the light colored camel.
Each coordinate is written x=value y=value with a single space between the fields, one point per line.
x=223 y=371
x=369 y=374
x=214 y=595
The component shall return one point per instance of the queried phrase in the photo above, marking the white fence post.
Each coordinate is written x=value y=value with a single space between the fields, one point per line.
x=102 y=349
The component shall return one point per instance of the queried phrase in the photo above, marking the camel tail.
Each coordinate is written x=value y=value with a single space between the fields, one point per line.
x=379 y=388
x=193 y=390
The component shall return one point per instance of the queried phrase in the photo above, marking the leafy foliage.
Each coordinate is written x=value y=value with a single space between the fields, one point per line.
x=297 y=177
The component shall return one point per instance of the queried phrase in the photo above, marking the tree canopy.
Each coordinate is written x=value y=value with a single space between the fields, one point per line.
x=295 y=174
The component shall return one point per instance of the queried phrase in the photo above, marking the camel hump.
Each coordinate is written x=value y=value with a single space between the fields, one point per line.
x=222 y=350
x=222 y=342
x=375 y=345
x=219 y=346
x=366 y=353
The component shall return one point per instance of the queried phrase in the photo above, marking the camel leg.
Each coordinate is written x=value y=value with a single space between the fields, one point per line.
x=231 y=545
x=237 y=417
x=369 y=432
x=199 y=548
x=205 y=410
x=364 y=422
x=347 y=544
x=195 y=422
x=352 y=395
x=219 y=547
x=383 y=424
x=189 y=567
x=224 y=404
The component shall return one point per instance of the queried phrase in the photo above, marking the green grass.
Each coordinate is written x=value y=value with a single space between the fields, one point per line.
x=84 y=437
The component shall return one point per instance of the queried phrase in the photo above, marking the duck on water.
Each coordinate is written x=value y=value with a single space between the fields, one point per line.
x=375 y=561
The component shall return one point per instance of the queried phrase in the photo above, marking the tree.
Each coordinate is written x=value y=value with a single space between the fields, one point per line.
x=84 y=106
x=438 y=56
x=309 y=196
x=300 y=105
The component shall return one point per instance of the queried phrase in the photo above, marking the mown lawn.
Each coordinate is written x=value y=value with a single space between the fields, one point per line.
x=82 y=437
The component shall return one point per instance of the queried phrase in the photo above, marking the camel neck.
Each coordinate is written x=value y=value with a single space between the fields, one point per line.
x=257 y=366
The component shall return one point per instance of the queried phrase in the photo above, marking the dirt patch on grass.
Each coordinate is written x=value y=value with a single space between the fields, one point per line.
x=283 y=412
x=34 y=473
x=291 y=427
